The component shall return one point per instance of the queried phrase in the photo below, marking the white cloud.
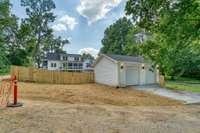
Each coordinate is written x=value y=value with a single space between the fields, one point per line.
x=59 y=27
x=91 y=51
x=68 y=21
x=95 y=10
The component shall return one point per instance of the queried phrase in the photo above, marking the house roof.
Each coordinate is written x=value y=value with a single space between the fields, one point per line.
x=53 y=56
x=56 y=56
x=126 y=58
x=74 y=55
x=120 y=58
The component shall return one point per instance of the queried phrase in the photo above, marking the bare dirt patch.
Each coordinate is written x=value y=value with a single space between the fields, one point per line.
x=49 y=117
x=93 y=108
x=91 y=94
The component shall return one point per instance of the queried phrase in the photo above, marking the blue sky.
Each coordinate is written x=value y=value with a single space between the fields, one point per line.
x=81 y=21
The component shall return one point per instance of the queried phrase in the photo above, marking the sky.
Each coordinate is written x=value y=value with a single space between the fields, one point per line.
x=83 y=22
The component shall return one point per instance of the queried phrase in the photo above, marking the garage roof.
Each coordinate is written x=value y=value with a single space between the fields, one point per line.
x=126 y=58
x=121 y=58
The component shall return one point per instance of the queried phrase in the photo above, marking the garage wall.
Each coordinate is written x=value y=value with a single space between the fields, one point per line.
x=144 y=76
x=106 y=72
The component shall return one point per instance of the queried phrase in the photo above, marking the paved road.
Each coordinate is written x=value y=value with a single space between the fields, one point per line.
x=187 y=97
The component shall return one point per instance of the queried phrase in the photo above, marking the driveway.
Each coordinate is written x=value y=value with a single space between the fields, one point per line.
x=187 y=97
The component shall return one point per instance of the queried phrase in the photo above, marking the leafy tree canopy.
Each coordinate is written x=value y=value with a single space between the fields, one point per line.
x=114 y=40
x=175 y=29
x=85 y=56
x=40 y=14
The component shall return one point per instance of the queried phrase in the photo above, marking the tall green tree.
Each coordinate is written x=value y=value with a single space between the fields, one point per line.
x=175 y=27
x=55 y=44
x=114 y=40
x=134 y=39
x=40 y=14
x=6 y=22
x=20 y=46
x=13 y=37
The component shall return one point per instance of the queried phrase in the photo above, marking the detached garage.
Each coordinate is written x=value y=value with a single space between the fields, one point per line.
x=119 y=70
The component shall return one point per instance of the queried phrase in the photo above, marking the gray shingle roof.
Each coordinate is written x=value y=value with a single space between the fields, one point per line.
x=53 y=56
x=56 y=56
x=126 y=58
x=74 y=55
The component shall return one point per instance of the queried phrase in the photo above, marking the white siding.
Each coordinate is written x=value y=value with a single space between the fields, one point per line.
x=58 y=65
x=106 y=72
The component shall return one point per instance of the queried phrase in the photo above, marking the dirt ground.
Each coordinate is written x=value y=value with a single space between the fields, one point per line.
x=91 y=94
x=93 y=108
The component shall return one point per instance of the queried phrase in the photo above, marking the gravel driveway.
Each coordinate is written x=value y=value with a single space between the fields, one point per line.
x=187 y=97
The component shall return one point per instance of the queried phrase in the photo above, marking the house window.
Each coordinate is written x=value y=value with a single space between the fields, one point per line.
x=88 y=65
x=76 y=58
x=64 y=57
x=53 y=64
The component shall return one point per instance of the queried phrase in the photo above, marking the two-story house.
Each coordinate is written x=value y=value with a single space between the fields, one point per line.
x=66 y=62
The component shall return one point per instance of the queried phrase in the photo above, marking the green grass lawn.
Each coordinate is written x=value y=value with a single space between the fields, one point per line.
x=177 y=86
x=188 y=80
x=4 y=72
x=186 y=84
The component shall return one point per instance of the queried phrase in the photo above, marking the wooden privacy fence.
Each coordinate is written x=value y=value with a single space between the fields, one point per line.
x=46 y=76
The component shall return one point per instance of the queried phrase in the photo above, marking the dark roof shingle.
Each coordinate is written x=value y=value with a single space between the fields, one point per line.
x=74 y=55
x=126 y=58
x=53 y=56
x=57 y=56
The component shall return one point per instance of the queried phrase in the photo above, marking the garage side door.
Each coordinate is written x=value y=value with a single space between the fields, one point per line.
x=132 y=76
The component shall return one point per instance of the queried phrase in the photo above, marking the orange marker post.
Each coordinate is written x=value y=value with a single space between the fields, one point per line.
x=15 y=90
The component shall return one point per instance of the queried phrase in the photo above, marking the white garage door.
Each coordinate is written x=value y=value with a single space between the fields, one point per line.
x=150 y=77
x=132 y=76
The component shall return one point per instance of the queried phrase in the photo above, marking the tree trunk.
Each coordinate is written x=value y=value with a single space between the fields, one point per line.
x=37 y=52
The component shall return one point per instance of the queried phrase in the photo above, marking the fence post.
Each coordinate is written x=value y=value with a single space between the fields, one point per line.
x=15 y=103
x=15 y=90
x=162 y=81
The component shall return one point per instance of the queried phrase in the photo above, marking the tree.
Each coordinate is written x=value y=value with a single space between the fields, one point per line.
x=6 y=26
x=135 y=37
x=115 y=36
x=30 y=39
x=85 y=56
x=39 y=16
x=174 y=26
x=55 y=44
